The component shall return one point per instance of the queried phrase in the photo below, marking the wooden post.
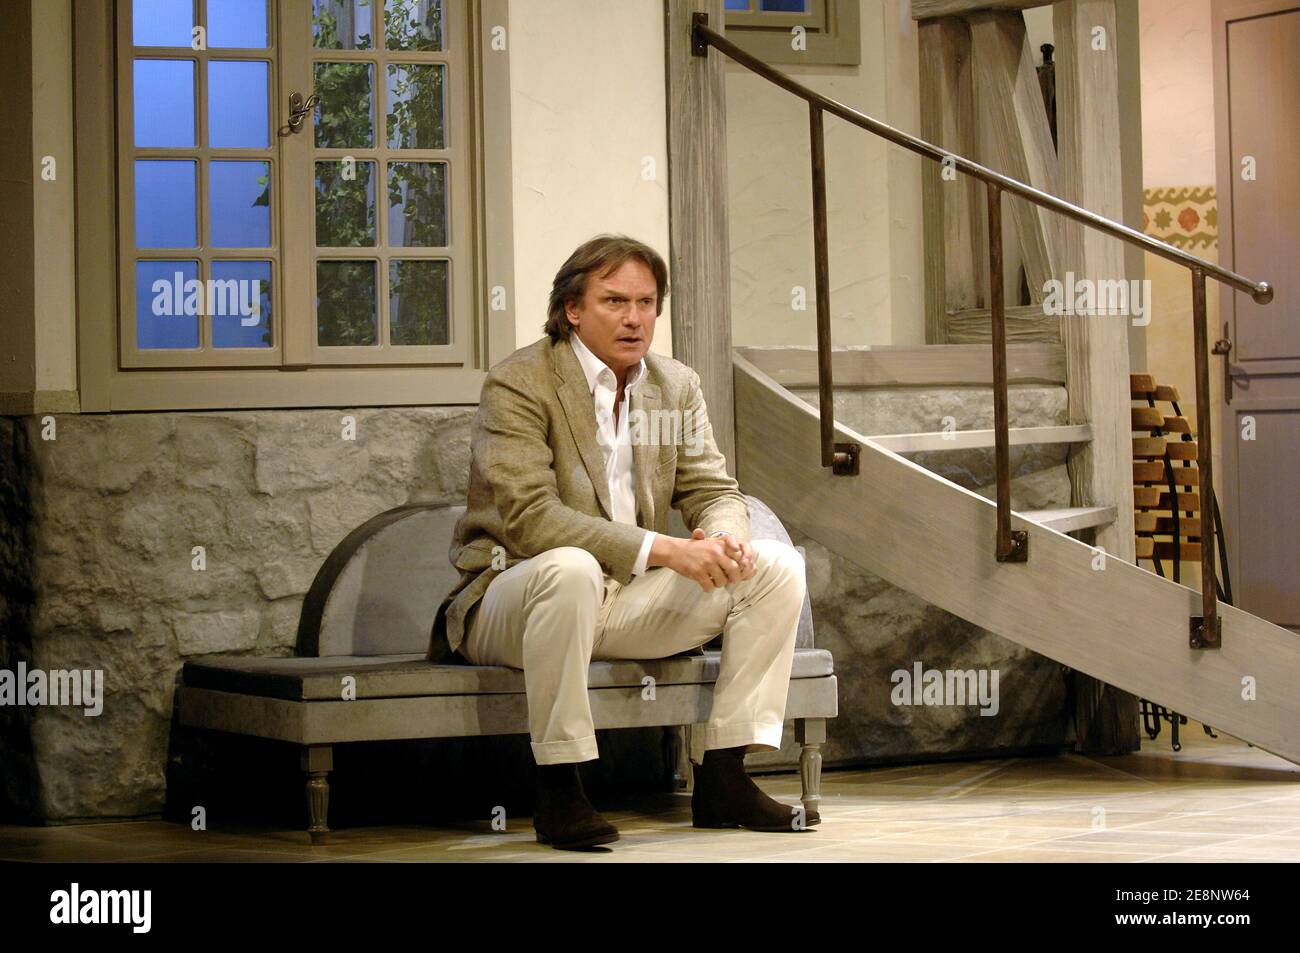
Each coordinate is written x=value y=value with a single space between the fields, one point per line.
x=1096 y=347
x=699 y=253
x=956 y=256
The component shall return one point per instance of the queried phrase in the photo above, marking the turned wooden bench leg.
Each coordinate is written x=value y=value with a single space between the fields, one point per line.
x=810 y=733
x=317 y=763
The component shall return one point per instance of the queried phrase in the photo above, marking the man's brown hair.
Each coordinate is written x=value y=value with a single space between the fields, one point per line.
x=602 y=256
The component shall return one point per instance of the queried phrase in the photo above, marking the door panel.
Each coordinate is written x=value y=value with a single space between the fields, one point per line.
x=1257 y=106
x=1268 y=528
x=1264 y=109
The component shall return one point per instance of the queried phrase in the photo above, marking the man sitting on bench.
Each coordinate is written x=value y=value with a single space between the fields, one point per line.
x=564 y=555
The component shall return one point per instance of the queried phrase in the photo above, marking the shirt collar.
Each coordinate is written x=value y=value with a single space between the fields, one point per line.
x=592 y=367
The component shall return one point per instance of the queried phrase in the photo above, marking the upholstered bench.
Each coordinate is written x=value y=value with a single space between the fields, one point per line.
x=360 y=673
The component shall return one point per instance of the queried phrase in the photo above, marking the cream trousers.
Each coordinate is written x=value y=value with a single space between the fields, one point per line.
x=552 y=614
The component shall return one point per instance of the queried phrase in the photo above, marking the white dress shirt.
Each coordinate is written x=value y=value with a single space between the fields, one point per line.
x=614 y=440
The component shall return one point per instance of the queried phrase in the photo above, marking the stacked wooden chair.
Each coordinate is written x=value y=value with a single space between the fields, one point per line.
x=1166 y=505
x=1166 y=481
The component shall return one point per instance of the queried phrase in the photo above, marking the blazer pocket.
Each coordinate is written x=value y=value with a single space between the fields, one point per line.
x=666 y=466
x=475 y=556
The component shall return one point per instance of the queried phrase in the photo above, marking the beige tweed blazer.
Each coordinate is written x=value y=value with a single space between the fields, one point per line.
x=537 y=474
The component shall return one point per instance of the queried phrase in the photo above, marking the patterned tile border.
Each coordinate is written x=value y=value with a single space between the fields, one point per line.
x=1184 y=216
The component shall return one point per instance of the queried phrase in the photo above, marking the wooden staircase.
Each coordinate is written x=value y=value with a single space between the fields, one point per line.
x=1094 y=612
x=1090 y=607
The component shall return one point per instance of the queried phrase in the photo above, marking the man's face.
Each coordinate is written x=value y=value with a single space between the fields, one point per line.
x=616 y=316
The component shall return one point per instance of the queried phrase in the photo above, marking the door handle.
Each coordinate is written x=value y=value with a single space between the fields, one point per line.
x=300 y=108
x=1223 y=348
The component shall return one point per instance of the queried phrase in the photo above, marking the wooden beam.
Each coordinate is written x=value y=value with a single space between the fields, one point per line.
x=931 y=365
x=923 y=9
x=1016 y=138
x=956 y=255
x=1096 y=348
x=1025 y=324
x=699 y=249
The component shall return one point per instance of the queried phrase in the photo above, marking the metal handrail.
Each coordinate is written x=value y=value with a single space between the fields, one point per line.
x=1011 y=546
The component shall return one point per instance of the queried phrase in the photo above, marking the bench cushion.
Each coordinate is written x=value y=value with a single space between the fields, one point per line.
x=396 y=676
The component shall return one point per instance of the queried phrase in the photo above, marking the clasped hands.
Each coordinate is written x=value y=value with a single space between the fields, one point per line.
x=710 y=561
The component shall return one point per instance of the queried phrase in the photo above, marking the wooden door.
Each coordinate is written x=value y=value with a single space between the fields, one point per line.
x=1257 y=108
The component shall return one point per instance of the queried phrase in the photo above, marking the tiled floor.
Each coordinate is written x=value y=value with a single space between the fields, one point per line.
x=1217 y=800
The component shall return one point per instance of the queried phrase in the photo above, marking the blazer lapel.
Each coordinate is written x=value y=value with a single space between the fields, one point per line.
x=571 y=385
x=645 y=401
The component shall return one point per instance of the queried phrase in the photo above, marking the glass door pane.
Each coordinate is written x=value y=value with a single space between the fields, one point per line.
x=200 y=236
x=382 y=160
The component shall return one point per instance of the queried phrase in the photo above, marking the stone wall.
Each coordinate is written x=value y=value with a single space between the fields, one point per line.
x=114 y=506
x=98 y=570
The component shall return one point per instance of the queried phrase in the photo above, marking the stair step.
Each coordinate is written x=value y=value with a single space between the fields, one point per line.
x=1070 y=518
x=975 y=439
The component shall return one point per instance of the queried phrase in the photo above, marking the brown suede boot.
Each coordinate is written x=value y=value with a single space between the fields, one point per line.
x=726 y=796
x=563 y=817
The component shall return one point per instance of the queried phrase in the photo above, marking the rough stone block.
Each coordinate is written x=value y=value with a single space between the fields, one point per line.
x=202 y=633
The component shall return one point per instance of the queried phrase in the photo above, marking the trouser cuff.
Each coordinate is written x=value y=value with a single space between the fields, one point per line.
x=759 y=735
x=562 y=752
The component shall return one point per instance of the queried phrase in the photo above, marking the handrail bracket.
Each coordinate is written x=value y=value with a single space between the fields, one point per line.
x=1015 y=549
x=699 y=45
x=1203 y=638
x=845 y=460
